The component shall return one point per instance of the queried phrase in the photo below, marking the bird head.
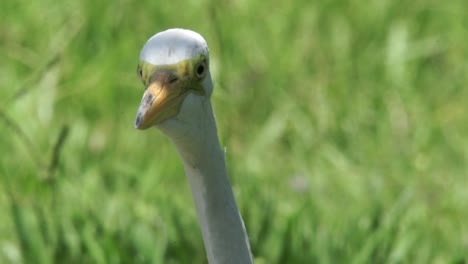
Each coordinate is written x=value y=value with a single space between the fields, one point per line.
x=174 y=68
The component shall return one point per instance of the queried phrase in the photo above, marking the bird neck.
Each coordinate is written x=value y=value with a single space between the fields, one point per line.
x=222 y=227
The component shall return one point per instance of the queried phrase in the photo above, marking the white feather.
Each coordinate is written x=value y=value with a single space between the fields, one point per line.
x=172 y=46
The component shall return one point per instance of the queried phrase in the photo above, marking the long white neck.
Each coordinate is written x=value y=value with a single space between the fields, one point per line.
x=222 y=227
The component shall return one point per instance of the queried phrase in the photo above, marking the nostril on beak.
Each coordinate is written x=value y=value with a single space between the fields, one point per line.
x=148 y=100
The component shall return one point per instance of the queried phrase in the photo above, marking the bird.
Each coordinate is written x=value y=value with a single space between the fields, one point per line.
x=174 y=68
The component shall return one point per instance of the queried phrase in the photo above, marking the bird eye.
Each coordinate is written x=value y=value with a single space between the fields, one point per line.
x=140 y=73
x=201 y=70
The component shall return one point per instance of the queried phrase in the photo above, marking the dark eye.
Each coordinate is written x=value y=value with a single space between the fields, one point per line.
x=201 y=70
x=140 y=73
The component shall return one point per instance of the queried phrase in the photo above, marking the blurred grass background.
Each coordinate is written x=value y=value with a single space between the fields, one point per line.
x=345 y=124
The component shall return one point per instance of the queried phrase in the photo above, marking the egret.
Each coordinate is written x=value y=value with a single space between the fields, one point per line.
x=174 y=68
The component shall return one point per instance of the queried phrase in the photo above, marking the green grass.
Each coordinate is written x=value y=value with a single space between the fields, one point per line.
x=345 y=124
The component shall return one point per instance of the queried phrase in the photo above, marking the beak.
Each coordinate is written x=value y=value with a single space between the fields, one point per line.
x=161 y=100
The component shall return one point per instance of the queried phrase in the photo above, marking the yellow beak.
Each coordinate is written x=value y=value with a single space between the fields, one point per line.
x=161 y=100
